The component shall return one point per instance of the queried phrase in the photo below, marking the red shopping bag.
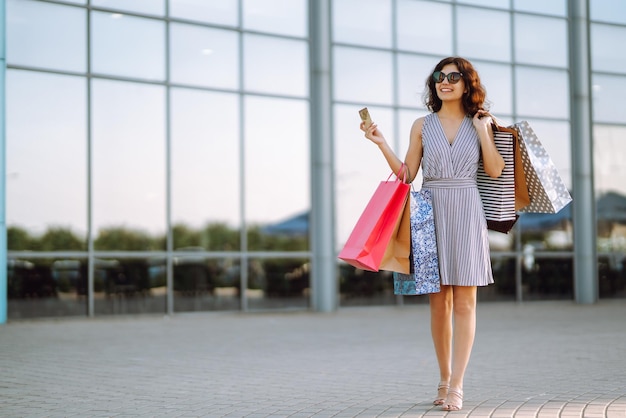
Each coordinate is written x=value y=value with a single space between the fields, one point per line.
x=381 y=239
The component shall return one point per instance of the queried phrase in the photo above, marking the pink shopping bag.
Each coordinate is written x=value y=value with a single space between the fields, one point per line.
x=381 y=239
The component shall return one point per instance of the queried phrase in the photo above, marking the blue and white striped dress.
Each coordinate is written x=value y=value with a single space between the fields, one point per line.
x=449 y=171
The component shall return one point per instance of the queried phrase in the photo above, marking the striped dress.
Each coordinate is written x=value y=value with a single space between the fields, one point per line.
x=450 y=173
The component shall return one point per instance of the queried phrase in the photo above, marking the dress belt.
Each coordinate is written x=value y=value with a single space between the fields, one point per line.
x=452 y=183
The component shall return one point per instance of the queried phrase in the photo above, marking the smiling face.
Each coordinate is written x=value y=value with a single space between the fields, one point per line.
x=447 y=91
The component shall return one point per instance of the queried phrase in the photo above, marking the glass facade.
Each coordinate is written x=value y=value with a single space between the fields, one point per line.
x=158 y=152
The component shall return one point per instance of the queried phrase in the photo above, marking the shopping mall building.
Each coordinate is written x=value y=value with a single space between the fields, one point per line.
x=165 y=156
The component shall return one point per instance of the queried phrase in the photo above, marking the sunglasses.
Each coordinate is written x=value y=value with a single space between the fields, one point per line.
x=453 y=77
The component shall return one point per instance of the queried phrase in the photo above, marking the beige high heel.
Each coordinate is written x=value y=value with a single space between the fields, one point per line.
x=454 y=401
x=443 y=386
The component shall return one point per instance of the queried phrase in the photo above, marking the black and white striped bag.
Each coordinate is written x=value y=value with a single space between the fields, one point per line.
x=498 y=194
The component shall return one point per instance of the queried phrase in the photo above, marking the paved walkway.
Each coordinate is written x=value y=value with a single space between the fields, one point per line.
x=537 y=359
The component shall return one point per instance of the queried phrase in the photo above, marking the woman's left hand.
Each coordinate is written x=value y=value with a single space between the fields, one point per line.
x=482 y=119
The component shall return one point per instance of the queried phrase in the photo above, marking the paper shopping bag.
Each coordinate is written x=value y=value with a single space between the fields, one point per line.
x=372 y=243
x=424 y=275
x=498 y=194
x=396 y=257
x=546 y=189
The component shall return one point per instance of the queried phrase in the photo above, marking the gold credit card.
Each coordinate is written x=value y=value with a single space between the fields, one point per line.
x=365 y=117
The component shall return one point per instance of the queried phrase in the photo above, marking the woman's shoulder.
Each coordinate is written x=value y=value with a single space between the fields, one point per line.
x=416 y=128
x=419 y=122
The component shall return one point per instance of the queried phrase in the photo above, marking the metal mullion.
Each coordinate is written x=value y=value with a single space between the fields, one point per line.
x=90 y=235
x=169 y=235
x=243 y=231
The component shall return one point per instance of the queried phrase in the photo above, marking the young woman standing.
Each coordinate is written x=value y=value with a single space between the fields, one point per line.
x=448 y=144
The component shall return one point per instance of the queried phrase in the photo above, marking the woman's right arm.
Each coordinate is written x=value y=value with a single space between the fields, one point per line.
x=413 y=156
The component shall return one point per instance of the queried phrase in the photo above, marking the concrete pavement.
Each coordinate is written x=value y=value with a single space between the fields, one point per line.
x=536 y=359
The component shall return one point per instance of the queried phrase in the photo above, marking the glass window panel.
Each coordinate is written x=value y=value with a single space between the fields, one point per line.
x=542 y=92
x=545 y=278
x=285 y=17
x=412 y=74
x=47 y=160
x=604 y=38
x=287 y=72
x=128 y=46
x=129 y=286
x=501 y=4
x=608 y=98
x=432 y=35
x=277 y=165
x=349 y=17
x=153 y=7
x=224 y=12
x=128 y=136
x=541 y=40
x=205 y=145
x=364 y=76
x=46 y=35
x=38 y=288
x=552 y=7
x=278 y=283
x=206 y=284
x=203 y=56
x=608 y=10
x=497 y=79
x=493 y=42
x=359 y=164
x=609 y=152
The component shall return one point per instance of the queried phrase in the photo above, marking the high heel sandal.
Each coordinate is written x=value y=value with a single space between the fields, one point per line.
x=441 y=398
x=454 y=401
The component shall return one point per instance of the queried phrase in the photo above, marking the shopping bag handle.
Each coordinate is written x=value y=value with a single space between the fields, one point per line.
x=403 y=170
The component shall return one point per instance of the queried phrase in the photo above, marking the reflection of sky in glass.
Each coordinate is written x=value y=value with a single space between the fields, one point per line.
x=278 y=66
x=493 y=42
x=285 y=17
x=128 y=136
x=609 y=154
x=205 y=157
x=154 y=7
x=363 y=22
x=224 y=12
x=203 y=56
x=128 y=46
x=46 y=169
x=425 y=27
x=608 y=98
x=613 y=11
x=605 y=43
x=364 y=76
x=46 y=35
x=542 y=93
x=541 y=40
x=552 y=7
x=277 y=166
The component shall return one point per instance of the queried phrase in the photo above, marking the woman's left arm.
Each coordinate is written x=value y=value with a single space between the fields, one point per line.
x=492 y=160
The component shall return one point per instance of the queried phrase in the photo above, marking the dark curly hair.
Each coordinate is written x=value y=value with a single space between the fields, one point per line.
x=473 y=98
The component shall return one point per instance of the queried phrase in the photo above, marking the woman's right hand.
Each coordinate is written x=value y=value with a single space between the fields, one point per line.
x=373 y=133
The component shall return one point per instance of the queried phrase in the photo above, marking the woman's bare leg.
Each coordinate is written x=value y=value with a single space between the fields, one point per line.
x=464 y=302
x=441 y=329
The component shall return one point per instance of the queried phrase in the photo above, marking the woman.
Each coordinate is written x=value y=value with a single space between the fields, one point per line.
x=448 y=144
